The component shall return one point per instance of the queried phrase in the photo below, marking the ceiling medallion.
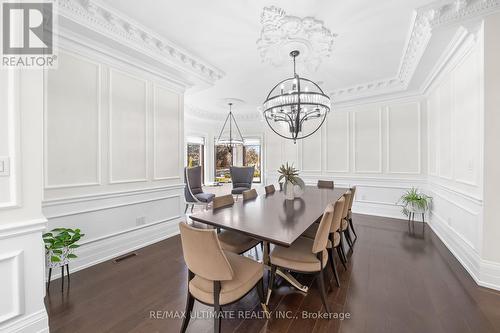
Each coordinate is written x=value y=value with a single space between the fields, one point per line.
x=282 y=34
x=296 y=107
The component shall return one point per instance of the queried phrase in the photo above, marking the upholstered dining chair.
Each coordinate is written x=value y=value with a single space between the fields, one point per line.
x=345 y=222
x=305 y=256
x=216 y=277
x=349 y=214
x=334 y=236
x=325 y=184
x=270 y=189
x=249 y=195
x=193 y=192
x=242 y=179
x=233 y=241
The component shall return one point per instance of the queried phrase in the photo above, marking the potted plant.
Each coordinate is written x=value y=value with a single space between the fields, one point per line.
x=413 y=201
x=291 y=176
x=60 y=244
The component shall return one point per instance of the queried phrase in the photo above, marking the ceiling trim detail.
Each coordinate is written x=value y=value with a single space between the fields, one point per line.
x=200 y=113
x=425 y=20
x=281 y=34
x=121 y=28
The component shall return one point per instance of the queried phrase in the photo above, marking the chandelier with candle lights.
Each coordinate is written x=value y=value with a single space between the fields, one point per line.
x=296 y=107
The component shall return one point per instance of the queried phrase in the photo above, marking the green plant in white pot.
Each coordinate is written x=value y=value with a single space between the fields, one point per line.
x=60 y=244
x=291 y=177
x=413 y=201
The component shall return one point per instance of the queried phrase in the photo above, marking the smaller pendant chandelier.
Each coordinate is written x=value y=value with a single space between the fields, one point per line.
x=293 y=102
x=230 y=140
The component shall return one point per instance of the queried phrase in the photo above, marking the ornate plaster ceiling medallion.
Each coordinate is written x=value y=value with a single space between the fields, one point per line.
x=282 y=34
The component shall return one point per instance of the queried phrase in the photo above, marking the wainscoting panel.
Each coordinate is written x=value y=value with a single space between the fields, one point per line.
x=403 y=139
x=368 y=140
x=12 y=286
x=311 y=150
x=72 y=120
x=128 y=128
x=337 y=142
x=445 y=128
x=433 y=132
x=166 y=134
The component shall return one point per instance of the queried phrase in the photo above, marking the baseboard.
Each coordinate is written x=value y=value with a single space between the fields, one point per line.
x=111 y=247
x=37 y=322
x=484 y=273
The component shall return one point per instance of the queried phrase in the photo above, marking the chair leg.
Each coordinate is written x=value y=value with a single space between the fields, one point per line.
x=341 y=256
x=217 y=307
x=334 y=268
x=348 y=237
x=192 y=207
x=351 y=225
x=341 y=245
x=187 y=312
x=271 y=284
x=321 y=285
x=186 y=209
x=260 y=290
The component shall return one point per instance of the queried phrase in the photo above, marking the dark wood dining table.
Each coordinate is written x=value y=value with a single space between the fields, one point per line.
x=273 y=219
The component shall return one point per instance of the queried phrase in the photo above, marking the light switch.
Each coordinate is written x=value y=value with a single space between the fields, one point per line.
x=4 y=166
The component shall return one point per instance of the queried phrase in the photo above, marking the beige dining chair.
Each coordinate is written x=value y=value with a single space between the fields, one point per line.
x=250 y=194
x=349 y=214
x=345 y=224
x=305 y=256
x=270 y=189
x=325 y=184
x=216 y=277
x=334 y=236
x=233 y=241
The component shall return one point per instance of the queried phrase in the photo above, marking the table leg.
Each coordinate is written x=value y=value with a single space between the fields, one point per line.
x=287 y=276
x=265 y=253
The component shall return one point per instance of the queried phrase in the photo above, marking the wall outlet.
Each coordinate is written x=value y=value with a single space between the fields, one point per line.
x=140 y=220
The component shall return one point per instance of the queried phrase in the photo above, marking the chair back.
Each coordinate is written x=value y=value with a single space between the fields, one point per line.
x=192 y=178
x=250 y=194
x=223 y=201
x=203 y=253
x=347 y=196
x=321 y=238
x=353 y=192
x=338 y=210
x=270 y=189
x=325 y=184
x=242 y=176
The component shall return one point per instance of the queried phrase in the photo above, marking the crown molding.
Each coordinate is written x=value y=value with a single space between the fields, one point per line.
x=432 y=16
x=106 y=21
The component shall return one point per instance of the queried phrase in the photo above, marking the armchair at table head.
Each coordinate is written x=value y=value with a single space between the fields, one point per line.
x=242 y=178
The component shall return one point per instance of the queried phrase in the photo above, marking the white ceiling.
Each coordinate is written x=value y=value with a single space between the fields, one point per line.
x=371 y=39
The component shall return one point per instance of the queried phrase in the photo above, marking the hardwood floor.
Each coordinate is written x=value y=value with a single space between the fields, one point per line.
x=394 y=283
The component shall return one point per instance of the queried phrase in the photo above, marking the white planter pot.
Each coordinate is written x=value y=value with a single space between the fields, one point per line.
x=289 y=191
x=64 y=258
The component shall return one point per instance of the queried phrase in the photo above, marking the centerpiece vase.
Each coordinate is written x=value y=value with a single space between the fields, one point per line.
x=289 y=191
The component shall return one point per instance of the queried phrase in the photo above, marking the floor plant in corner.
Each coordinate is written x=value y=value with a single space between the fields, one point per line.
x=60 y=244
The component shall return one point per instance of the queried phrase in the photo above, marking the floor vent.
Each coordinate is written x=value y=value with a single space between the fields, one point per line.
x=125 y=256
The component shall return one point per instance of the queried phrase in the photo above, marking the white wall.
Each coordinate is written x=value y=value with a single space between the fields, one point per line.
x=378 y=147
x=22 y=259
x=112 y=154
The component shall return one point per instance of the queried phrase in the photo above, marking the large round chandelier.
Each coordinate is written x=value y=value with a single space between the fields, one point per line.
x=296 y=107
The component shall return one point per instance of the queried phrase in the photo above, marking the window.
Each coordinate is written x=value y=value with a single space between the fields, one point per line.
x=196 y=154
x=247 y=155
x=252 y=157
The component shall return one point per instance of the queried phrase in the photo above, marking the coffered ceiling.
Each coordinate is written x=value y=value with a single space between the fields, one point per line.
x=376 y=44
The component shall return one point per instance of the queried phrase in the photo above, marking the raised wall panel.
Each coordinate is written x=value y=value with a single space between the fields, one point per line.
x=290 y=152
x=273 y=151
x=72 y=145
x=445 y=128
x=166 y=134
x=368 y=141
x=128 y=157
x=311 y=149
x=12 y=286
x=466 y=127
x=403 y=138
x=337 y=142
x=433 y=131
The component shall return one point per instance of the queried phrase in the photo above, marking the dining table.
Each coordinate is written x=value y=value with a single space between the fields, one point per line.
x=273 y=219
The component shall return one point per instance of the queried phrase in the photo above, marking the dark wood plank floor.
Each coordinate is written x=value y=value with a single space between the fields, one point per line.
x=394 y=283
